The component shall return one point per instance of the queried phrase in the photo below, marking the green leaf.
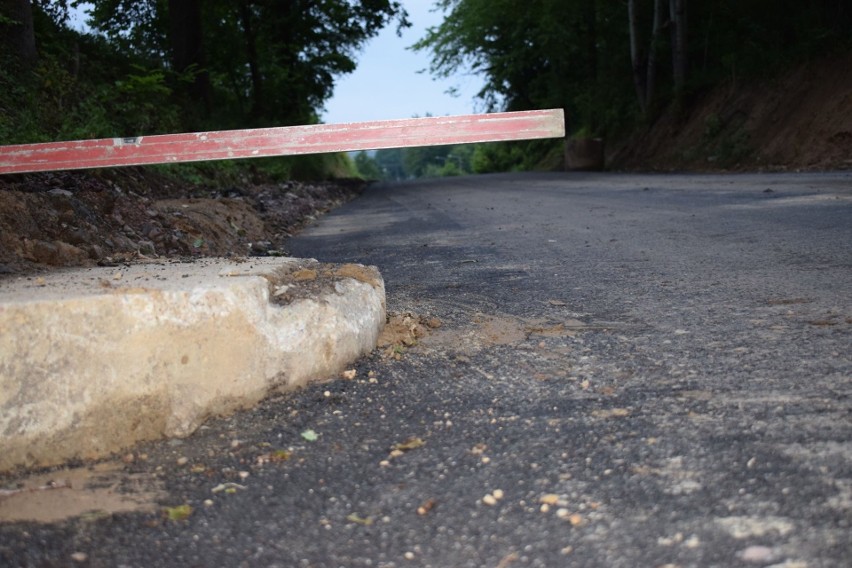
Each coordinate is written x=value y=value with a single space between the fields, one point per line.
x=366 y=521
x=179 y=513
x=279 y=455
x=310 y=435
x=411 y=443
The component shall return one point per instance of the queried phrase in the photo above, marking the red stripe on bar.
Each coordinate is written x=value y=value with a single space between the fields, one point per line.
x=282 y=141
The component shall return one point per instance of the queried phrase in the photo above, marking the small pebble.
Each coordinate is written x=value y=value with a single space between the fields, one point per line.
x=79 y=557
x=243 y=474
x=757 y=554
x=549 y=499
x=183 y=460
x=489 y=500
x=409 y=555
x=498 y=494
x=208 y=502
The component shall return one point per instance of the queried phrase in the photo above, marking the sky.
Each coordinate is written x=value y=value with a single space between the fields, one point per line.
x=387 y=85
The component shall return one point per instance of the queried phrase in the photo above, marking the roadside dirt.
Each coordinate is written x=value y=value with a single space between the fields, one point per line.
x=97 y=491
x=110 y=217
x=405 y=331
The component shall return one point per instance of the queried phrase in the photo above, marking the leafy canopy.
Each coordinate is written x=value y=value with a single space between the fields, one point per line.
x=269 y=62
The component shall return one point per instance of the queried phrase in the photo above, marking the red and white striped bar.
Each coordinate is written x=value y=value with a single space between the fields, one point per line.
x=282 y=141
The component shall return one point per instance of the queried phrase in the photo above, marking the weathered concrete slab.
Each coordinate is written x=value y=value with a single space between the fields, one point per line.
x=94 y=360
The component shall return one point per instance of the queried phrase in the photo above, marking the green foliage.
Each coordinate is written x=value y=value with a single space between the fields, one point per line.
x=143 y=100
x=733 y=40
x=488 y=158
x=511 y=156
x=537 y=54
x=312 y=167
x=391 y=163
x=269 y=62
x=367 y=166
x=462 y=159
x=221 y=174
x=426 y=161
x=73 y=104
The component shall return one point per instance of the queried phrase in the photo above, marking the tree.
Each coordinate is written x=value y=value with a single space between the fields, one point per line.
x=268 y=62
x=367 y=166
x=187 y=47
x=677 y=19
x=644 y=64
x=536 y=54
x=16 y=28
x=390 y=162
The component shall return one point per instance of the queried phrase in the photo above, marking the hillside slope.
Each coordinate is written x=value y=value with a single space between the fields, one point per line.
x=114 y=216
x=800 y=120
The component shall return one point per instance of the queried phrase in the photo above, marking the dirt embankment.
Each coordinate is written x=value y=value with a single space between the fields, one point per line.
x=801 y=120
x=113 y=216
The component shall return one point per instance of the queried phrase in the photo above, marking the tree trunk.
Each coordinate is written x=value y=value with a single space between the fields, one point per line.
x=636 y=58
x=254 y=64
x=677 y=13
x=16 y=29
x=651 y=71
x=185 y=37
x=590 y=18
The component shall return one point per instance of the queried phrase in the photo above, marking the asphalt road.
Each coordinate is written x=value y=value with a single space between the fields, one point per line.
x=631 y=370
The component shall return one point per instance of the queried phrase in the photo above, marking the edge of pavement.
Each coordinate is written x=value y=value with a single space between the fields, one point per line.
x=94 y=360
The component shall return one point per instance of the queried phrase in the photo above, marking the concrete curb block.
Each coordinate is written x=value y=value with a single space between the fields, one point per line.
x=94 y=360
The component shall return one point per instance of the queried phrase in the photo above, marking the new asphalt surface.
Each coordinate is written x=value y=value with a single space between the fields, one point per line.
x=630 y=370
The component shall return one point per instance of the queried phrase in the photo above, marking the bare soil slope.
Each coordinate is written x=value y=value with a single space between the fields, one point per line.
x=801 y=120
x=112 y=216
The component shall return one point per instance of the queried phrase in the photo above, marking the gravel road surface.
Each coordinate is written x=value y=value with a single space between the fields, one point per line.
x=582 y=370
